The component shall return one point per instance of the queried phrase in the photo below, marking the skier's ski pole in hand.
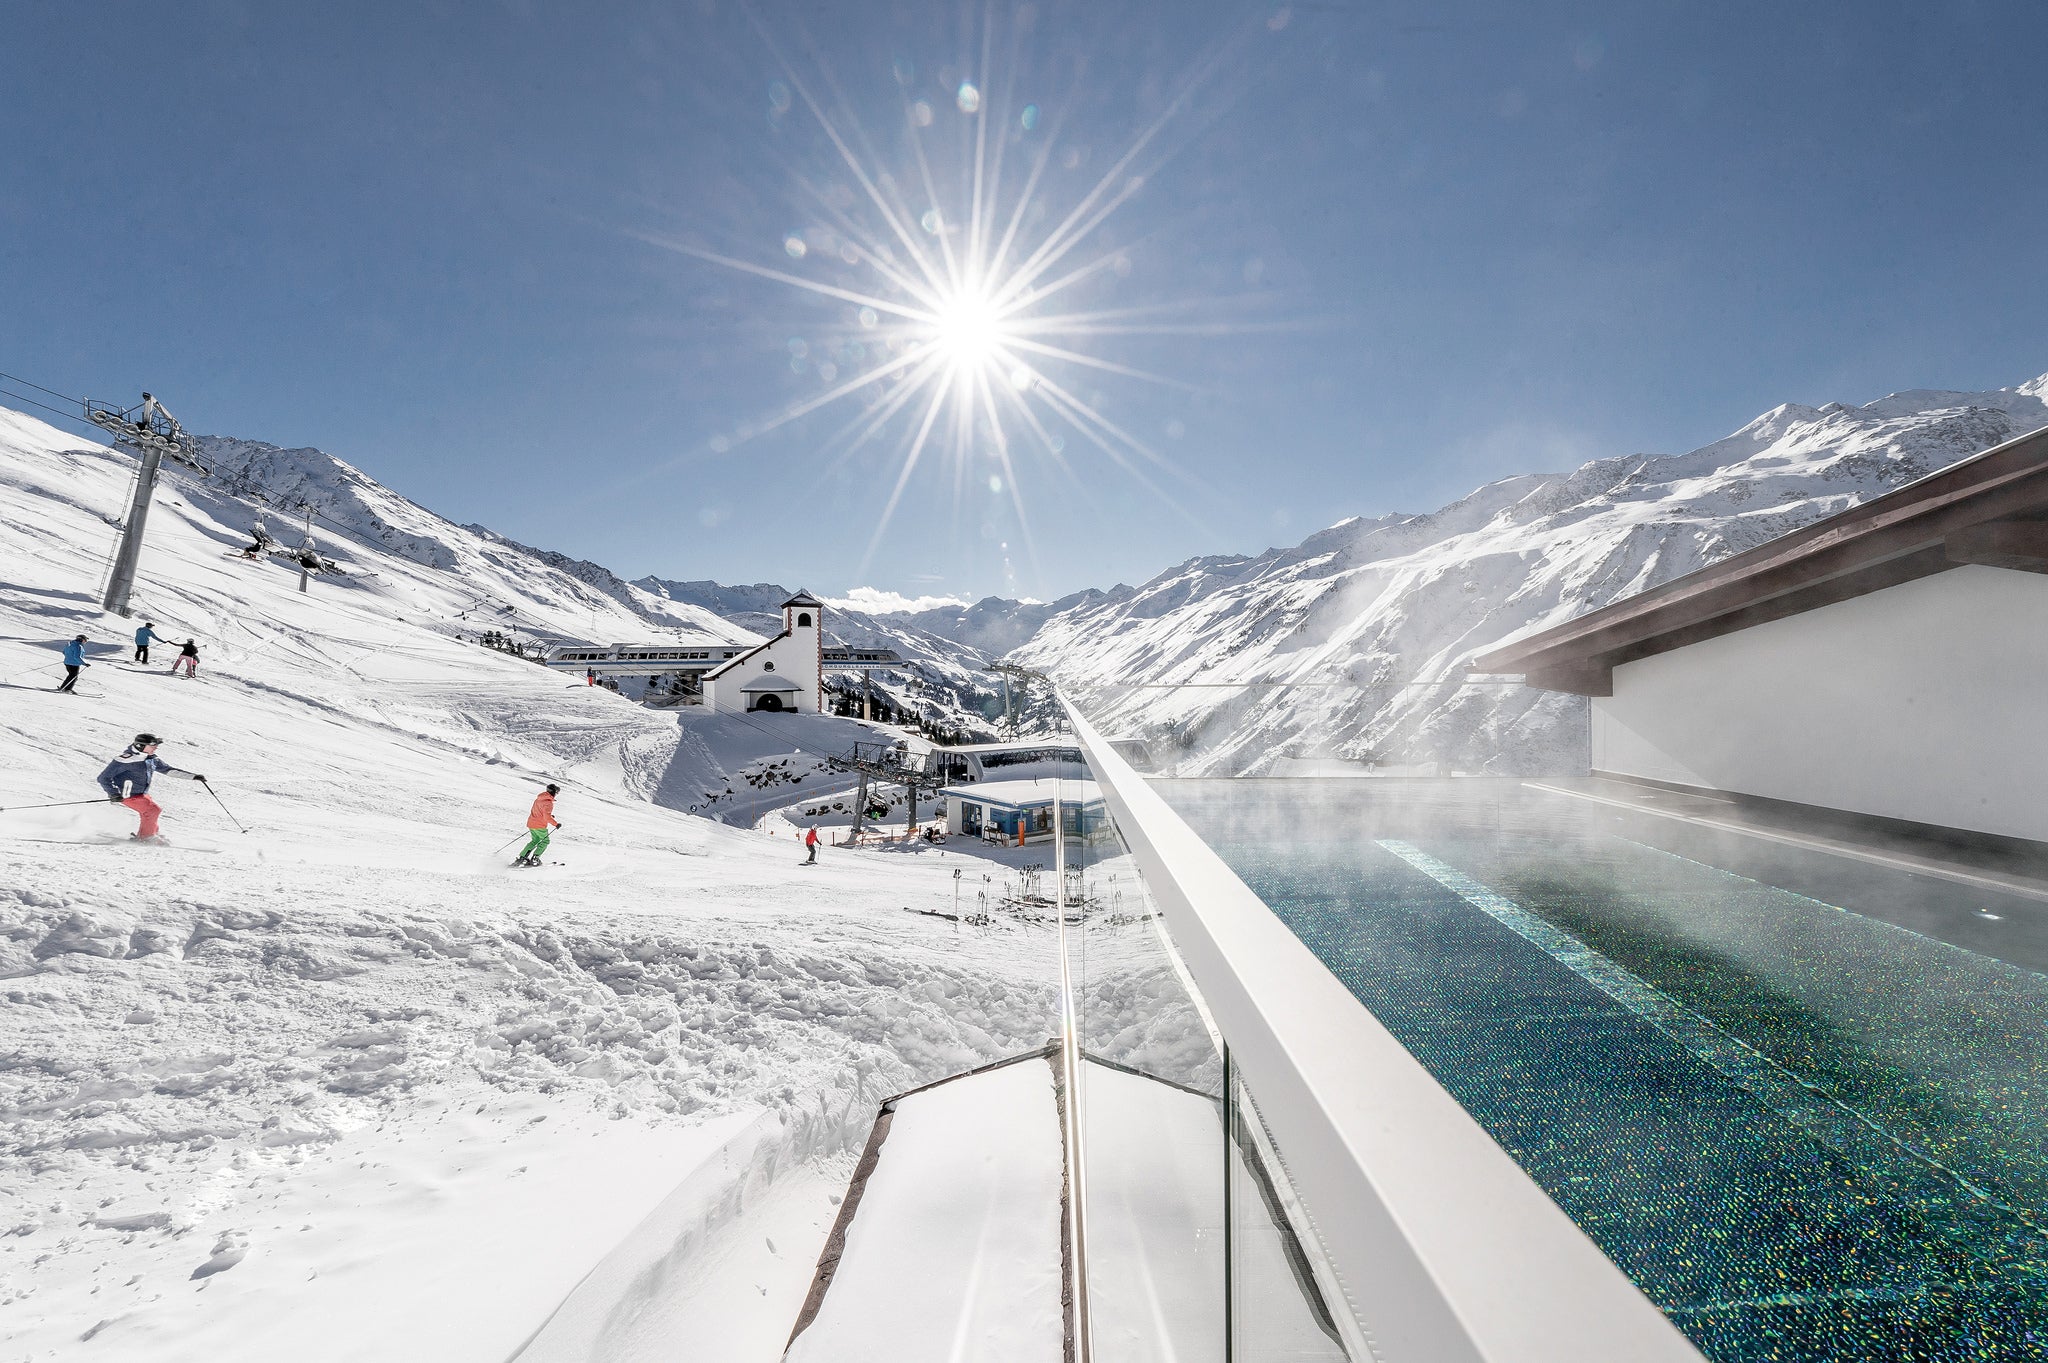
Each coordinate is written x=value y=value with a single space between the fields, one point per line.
x=222 y=803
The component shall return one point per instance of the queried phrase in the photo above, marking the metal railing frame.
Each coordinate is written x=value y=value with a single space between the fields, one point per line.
x=1446 y=1250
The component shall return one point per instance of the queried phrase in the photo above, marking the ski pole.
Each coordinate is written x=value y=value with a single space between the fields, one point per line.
x=515 y=838
x=224 y=808
x=61 y=804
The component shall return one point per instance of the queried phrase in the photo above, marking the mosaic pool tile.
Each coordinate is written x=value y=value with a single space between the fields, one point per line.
x=1806 y=1134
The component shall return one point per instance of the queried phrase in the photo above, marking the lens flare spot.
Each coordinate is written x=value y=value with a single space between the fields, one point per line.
x=794 y=245
x=995 y=484
x=921 y=114
x=868 y=318
x=1029 y=118
x=968 y=98
x=931 y=221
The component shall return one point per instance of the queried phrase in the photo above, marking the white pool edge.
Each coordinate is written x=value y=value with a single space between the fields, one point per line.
x=1445 y=1249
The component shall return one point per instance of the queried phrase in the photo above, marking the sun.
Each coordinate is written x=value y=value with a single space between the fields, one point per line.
x=967 y=330
x=960 y=288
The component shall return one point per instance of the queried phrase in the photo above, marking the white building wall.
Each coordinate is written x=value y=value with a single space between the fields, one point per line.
x=1927 y=701
x=795 y=657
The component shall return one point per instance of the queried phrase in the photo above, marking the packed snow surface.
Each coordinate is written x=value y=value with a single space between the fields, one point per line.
x=954 y=1250
x=346 y=1084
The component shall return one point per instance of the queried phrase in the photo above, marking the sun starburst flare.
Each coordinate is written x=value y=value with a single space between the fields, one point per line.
x=954 y=332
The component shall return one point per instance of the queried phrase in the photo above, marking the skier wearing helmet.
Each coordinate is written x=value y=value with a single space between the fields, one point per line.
x=540 y=823
x=126 y=782
x=74 y=658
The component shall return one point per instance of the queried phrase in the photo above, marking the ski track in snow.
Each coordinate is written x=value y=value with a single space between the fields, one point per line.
x=348 y=1085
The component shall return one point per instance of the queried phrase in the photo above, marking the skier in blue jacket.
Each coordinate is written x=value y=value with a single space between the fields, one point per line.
x=74 y=658
x=126 y=781
x=144 y=637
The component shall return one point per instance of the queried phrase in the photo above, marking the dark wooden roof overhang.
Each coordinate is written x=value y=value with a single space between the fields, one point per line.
x=1990 y=509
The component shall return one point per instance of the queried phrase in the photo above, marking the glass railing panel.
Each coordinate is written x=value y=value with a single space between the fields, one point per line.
x=1152 y=1122
x=1190 y=1255
x=1280 y=1288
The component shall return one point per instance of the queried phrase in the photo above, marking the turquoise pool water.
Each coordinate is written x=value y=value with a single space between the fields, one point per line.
x=1805 y=1131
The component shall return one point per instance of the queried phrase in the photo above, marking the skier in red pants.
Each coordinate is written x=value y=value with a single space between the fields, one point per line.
x=126 y=782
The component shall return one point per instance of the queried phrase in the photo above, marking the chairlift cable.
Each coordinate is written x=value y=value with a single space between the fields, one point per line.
x=16 y=397
x=16 y=378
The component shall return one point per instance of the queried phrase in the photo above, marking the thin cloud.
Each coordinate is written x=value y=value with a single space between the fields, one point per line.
x=875 y=601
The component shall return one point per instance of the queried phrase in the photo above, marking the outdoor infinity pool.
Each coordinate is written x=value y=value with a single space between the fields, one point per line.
x=1806 y=1131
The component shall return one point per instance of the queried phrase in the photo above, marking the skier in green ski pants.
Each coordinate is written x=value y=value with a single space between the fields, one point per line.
x=540 y=823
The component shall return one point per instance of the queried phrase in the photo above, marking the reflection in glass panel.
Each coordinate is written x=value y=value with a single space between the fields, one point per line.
x=1190 y=1256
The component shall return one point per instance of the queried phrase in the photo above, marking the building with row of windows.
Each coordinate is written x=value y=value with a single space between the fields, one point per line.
x=782 y=674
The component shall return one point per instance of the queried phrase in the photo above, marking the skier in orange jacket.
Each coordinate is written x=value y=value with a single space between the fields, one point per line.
x=540 y=823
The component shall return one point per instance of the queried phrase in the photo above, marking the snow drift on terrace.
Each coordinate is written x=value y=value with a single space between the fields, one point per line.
x=1378 y=619
x=346 y=1086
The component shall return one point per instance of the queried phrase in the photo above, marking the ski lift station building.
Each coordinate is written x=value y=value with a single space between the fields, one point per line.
x=1017 y=812
x=1883 y=664
x=785 y=673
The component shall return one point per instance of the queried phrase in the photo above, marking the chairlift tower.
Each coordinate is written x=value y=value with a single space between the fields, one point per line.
x=883 y=762
x=153 y=433
x=1023 y=675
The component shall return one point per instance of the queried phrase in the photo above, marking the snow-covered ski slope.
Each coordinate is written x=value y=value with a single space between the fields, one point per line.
x=1375 y=621
x=509 y=586
x=348 y=1086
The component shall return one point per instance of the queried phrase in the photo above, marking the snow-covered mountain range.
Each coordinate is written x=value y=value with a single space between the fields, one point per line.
x=1355 y=643
x=1352 y=646
x=548 y=597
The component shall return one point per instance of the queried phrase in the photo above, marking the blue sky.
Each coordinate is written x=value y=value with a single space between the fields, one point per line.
x=1398 y=250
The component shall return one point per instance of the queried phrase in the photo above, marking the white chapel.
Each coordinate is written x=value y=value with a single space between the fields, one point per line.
x=787 y=673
